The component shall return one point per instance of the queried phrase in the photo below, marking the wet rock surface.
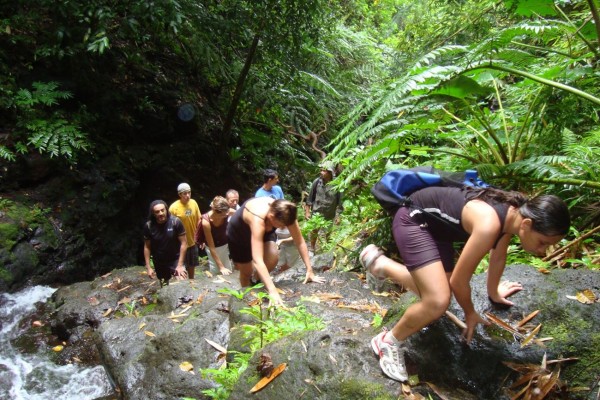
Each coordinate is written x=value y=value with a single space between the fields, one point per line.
x=144 y=333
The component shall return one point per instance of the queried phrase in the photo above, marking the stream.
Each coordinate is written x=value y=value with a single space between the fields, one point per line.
x=32 y=374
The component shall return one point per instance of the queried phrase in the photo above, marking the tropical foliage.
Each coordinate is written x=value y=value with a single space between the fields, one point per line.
x=520 y=105
x=508 y=87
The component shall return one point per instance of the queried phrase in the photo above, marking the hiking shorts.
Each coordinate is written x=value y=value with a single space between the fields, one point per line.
x=191 y=257
x=416 y=244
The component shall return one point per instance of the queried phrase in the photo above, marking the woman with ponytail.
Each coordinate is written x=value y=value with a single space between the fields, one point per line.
x=484 y=220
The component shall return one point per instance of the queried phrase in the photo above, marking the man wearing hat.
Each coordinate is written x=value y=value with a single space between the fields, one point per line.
x=323 y=199
x=187 y=210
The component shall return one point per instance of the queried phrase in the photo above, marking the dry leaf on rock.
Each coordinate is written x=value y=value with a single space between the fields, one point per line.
x=124 y=300
x=528 y=318
x=329 y=296
x=93 y=301
x=148 y=333
x=584 y=297
x=186 y=366
x=266 y=380
x=216 y=346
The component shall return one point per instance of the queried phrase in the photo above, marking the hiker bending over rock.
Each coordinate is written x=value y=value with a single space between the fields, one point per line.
x=484 y=220
x=251 y=236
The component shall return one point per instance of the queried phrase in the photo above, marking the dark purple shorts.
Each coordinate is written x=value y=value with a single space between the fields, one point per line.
x=416 y=244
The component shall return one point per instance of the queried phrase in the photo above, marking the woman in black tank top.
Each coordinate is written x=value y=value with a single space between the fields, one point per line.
x=251 y=237
x=485 y=220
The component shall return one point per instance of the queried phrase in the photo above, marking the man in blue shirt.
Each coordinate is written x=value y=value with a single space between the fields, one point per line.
x=270 y=188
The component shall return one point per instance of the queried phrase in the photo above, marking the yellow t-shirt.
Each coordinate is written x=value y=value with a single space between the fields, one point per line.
x=190 y=215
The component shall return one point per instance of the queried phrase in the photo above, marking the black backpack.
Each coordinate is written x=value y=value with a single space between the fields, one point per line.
x=393 y=189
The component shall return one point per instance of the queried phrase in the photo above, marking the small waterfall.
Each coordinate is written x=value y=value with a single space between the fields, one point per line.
x=34 y=376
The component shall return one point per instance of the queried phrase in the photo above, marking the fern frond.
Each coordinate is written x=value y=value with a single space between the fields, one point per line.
x=319 y=83
x=428 y=58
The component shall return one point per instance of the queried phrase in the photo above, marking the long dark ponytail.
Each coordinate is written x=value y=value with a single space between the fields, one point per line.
x=549 y=213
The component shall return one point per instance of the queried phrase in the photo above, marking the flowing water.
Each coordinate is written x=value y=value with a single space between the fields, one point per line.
x=33 y=375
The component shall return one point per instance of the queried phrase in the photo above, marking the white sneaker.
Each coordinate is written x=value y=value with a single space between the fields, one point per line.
x=391 y=357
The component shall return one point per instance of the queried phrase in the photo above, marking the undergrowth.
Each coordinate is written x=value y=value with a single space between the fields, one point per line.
x=269 y=324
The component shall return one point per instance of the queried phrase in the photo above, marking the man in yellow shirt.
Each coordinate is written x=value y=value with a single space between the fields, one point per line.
x=187 y=210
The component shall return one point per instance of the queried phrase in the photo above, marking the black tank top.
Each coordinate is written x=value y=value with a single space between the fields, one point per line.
x=446 y=204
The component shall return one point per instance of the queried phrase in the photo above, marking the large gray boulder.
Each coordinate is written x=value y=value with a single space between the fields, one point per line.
x=143 y=348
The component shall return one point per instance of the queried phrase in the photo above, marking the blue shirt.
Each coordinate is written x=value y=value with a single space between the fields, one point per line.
x=275 y=192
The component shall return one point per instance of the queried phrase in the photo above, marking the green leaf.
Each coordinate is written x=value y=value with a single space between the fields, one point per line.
x=461 y=87
x=527 y=8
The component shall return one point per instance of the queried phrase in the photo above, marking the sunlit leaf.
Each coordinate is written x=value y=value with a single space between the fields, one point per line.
x=186 y=366
x=529 y=337
x=148 y=333
x=216 y=346
x=586 y=297
x=528 y=318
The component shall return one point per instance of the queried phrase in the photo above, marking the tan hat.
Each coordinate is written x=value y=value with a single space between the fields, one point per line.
x=183 y=187
x=328 y=166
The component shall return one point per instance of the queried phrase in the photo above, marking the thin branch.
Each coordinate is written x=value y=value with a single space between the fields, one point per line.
x=571 y=243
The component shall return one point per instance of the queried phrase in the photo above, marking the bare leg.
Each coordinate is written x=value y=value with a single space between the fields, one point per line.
x=271 y=255
x=385 y=267
x=245 y=273
x=432 y=283
x=313 y=239
x=190 y=271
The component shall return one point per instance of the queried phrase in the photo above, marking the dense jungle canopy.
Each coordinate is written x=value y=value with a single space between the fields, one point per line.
x=107 y=105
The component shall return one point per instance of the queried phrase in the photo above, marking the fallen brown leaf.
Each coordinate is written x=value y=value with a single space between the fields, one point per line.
x=148 y=333
x=268 y=379
x=528 y=318
x=93 y=301
x=124 y=300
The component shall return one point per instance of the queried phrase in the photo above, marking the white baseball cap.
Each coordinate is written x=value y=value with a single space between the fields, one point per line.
x=183 y=187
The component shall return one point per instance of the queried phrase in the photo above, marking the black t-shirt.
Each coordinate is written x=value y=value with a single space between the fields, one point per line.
x=164 y=240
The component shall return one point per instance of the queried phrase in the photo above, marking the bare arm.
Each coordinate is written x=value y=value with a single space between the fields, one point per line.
x=303 y=250
x=180 y=270
x=498 y=292
x=480 y=219
x=149 y=269
x=257 y=229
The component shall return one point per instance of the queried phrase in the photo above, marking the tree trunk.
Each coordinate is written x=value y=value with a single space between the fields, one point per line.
x=237 y=94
